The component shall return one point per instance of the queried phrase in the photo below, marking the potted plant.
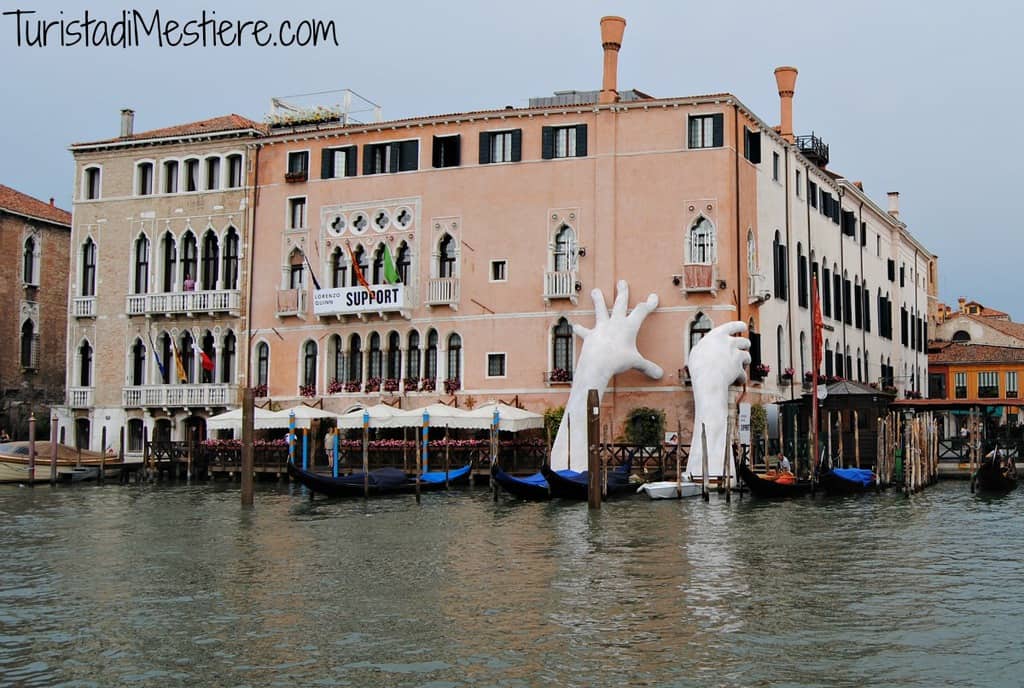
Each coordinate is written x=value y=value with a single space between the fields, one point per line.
x=759 y=371
x=427 y=384
x=352 y=386
x=560 y=375
x=391 y=384
x=372 y=384
x=452 y=385
x=308 y=390
x=259 y=391
x=787 y=374
x=335 y=386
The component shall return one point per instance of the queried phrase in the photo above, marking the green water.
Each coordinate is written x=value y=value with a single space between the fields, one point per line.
x=178 y=586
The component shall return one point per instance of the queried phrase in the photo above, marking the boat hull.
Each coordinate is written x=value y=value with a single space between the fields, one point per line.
x=769 y=489
x=577 y=487
x=379 y=484
x=670 y=489
x=996 y=476
x=534 y=488
x=834 y=484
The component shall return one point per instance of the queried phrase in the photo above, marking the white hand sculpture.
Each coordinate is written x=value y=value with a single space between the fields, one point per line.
x=715 y=362
x=608 y=349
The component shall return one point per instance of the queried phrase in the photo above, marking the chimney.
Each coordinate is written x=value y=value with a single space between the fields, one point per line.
x=961 y=301
x=612 y=29
x=785 y=79
x=894 y=204
x=51 y=202
x=127 y=122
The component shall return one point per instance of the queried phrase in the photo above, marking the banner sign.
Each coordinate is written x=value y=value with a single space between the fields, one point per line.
x=744 y=421
x=379 y=297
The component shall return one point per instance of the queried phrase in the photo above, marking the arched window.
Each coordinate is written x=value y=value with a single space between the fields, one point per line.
x=166 y=358
x=141 y=284
x=402 y=263
x=431 y=358
x=336 y=352
x=28 y=269
x=378 y=265
x=394 y=367
x=297 y=270
x=801 y=276
x=700 y=326
x=187 y=351
x=780 y=344
x=309 y=364
x=138 y=363
x=227 y=358
x=848 y=364
x=565 y=249
x=355 y=360
x=376 y=359
x=135 y=435
x=169 y=255
x=339 y=266
x=751 y=253
x=803 y=353
x=702 y=242
x=412 y=358
x=89 y=268
x=561 y=351
x=231 y=259
x=28 y=344
x=207 y=368
x=262 y=364
x=961 y=336
x=780 y=264
x=360 y=256
x=839 y=361
x=212 y=173
x=189 y=256
x=84 y=364
x=234 y=171
x=91 y=183
x=144 y=179
x=211 y=260
x=170 y=175
x=867 y=366
x=860 y=367
x=454 y=357
x=446 y=257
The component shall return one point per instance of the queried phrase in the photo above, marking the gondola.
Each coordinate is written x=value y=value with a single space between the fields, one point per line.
x=533 y=488
x=576 y=486
x=760 y=486
x=996 y=474
x=845 y=481
x=382 y=481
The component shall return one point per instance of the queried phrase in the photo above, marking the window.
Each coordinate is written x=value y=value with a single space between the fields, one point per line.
x=858 y=302
x=376 y=358
x=211 y=260
x=234 y=171
x=192 y=174
x=495 y=365
x=412 y=358
x=802 y=290
x=170 y=176
x=700 y=326
x=231 y=259
x=849 y=223
x=826 y=293
x=309 y=365
x=561 y=350
x=752 y=146
x=706 y=131
x=398 y=156
x=207 y=367
x=454 y=357
x=393 y=369
x=447 y=151
x=296 y=275
x=166 y=358
x=961 y=336
x=446 y=257
x=297 y=213
x=402 y=263
x=354 y=371
x=847 y=314
x=29 y=345
x=891 y=268
x=988 y=385
x=565 y=249
x=775 y=166
x=187 y=352
x=339 y=268
x=360 y=256
x=135 y=435
x=960 y=385
x=338 y=162
x=141 y=284
x=189 y=259
x=702 y=242
x=499 y=271
x=28 y=263
x=88 y=268
x=170 y=261
x=781 y=264
x=903 y=274
x=501 y=146
x=84 y=364
x=212 y=178
x=563 y=142
x=798 y=183
x=378 y=265
x=1011 y=384
x=298 y=166
x=262 y=364
x=91 y=184
x=144 y=179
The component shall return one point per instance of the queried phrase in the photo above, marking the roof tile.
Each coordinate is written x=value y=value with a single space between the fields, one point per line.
x=23 y=204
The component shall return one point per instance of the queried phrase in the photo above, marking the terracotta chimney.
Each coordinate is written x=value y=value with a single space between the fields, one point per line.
x=127 y=122
x=894 y=204
x=785 y=79
x=51 y=202
x=612 y=29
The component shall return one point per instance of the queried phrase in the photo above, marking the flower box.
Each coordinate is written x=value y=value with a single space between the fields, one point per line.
x=427 y=384
x=452 y=385
x=560 y=376
x=335 y=386
x=352 y=386
x=259 y=391
x=372 y=385
x=307 y=390
x=391 y=384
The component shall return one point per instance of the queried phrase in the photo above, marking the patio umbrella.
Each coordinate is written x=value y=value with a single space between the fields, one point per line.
x=439 y=416
x=232 y=420
x=380 y=414
x=304 y=417
x=510 y=418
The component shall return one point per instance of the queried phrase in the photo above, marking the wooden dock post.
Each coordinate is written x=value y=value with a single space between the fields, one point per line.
x=53 y=450
x=446 y=457
x=679 y=456
x=366 y=455
x=828 y=422
x=856 y=438
x=704 y=463
x=727 y=460
x=32 y=449
x=248 y=412
x=593 y=460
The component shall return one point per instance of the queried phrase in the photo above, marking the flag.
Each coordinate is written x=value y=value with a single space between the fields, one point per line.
x=816 y=325
x=312 y=275
x=358 y=272
x=206 y=361
x=179 y=367
x=391 y=275
x=159 y=363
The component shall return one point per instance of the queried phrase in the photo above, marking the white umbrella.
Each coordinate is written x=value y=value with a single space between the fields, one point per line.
x=232 y=420
x=380 y=414
x=304 y=417
x=440 y=416
x=510 y=418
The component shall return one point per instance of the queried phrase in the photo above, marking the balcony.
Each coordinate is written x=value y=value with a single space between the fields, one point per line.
x=296 y=176
x=83 y=307
x=185 y=303
x=698 y=277
x=561 y=284
x=813 y=148
x=558 y=376
x=80 y=397
x=291 y=302
x=759 y=289
x=167 y=396
x=443 y=291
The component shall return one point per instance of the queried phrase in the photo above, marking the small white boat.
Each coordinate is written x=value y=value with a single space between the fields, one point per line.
x=670 y=489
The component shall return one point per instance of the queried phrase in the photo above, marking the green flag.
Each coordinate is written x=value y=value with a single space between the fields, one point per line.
x=390 y=273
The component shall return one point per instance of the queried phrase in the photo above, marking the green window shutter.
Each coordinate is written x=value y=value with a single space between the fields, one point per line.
x=485 y=148
x=394 y=153
x=368 y=157
x=456 y=151
x=350 y=161
x=718 y=127
x=581 y=140
x=408 y=158
x=547 y=143
x=327 y=163
x=517 y=145
x=436 y=158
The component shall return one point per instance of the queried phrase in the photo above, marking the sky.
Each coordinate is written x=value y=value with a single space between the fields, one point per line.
x=916 y=97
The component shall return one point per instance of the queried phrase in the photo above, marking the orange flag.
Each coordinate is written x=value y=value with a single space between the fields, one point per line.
x=816 y=325
x=357 y=271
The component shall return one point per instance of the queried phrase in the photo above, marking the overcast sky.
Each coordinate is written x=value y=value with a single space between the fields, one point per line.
x=917 y=97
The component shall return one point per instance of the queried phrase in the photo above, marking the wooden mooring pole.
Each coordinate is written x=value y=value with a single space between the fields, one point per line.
x=53 y=450
x=248 y=412
x=704 y=462
x=32 y=449
x=593 y=457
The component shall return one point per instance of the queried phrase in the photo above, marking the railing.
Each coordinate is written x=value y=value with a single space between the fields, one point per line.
x=83 y=307
x=185 y=302
x=560 y=284
x=443 y=291
x=291 y=302
x=698 y=277
x=558 y=376
x=80 y=397
x=813 y=148
x=180 y=395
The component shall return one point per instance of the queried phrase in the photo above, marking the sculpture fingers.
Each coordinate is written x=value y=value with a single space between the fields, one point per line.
x=580 y=331
x=649 y=368
x=621 y=299
x=728 y=329
x=740 y=343
x=642 y=310
x=600 y=308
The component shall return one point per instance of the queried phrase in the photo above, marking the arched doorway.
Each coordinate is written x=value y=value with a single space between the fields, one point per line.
x=82 y=427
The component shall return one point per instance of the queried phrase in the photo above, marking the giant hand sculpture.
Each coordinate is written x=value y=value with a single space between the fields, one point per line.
x=608 y=349
x=715 y=362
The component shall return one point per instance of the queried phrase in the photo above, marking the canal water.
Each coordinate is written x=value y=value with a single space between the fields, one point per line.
x=176 y=585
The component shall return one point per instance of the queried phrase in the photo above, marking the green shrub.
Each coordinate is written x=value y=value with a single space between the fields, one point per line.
x=552 y=419
x=645 y=426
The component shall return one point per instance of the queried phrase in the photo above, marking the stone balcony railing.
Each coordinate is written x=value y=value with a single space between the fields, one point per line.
x=443 y=291
x=291 y=302
x=560 y=284
x=180 y=395
x=185 y=302
x=83 y=307
x=80 y=397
